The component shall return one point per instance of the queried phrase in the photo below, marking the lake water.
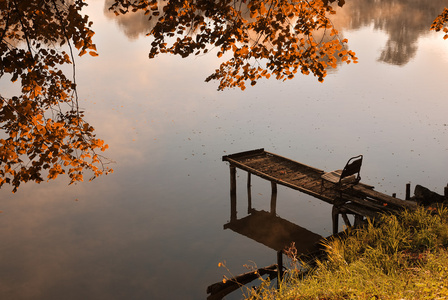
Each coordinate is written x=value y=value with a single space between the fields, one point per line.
x=154 y=228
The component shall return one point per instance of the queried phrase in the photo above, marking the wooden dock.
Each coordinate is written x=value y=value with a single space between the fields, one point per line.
x=267 y=228
x=361 y=200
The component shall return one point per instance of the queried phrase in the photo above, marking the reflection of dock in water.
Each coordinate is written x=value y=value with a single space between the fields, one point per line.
x=275 y=232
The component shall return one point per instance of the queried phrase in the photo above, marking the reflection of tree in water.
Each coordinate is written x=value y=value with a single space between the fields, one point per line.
x=133 y=25
x=403 y=20
x=400 y=48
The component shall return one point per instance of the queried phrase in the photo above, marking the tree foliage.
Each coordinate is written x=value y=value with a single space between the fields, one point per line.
x=441 y=23
x=43 y=130
x=263 y=37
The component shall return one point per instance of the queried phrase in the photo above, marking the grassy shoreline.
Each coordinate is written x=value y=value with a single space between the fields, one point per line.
x=402 y=256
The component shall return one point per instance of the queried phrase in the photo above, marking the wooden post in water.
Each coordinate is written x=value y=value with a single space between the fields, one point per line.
x=249 y=194
x=335 y=218
x=232 y=193
x=279 y=268
x=273 y=197
x=408 y=191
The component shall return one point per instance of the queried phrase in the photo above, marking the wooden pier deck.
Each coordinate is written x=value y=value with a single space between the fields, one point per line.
x=361 y=200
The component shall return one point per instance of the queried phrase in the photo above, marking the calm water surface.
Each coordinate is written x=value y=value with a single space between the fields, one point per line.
x=154 y=228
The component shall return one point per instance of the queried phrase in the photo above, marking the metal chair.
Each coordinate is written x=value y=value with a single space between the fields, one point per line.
x=347 y=177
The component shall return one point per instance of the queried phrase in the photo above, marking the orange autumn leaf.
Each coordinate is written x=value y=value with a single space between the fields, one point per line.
x=261 y=38
x=35 y=147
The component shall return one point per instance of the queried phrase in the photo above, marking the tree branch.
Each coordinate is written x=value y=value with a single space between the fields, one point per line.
x=71 y=55
x=24 y=29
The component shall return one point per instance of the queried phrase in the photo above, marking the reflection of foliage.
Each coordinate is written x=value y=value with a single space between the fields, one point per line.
x=266 y=37
x=440 y=23
x=44 y=129
x=133 y=25
x=392 y=17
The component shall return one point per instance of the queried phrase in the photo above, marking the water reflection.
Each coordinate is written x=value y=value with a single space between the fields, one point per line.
x=133 y=25
x=265 y=227
x=275 y=232
x=403 y=21
x=270 y=230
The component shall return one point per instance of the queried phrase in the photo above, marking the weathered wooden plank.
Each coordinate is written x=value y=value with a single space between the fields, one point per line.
x=297 y=177
x=385 y=198
x=220 y=289
x=365 y=203
x=360 y=210
x=256 y=161
x=282 y=182
x=312 y=185
x=240 y=155
x=301 y=164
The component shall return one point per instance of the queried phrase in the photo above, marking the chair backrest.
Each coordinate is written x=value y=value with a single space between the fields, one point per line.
x=352 y=167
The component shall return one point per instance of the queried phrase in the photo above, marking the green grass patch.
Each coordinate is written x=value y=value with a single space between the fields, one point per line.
x=401 y=256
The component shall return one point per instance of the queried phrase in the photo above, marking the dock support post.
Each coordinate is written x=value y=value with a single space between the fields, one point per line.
x=273 y=197
x=279 y=268
x=249 y=194
x=358 y=220
x=408 y=191
x=232 y=193
x=345 y=218
x=335 y=218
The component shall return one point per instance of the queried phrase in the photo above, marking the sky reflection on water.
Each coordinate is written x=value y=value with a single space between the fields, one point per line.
x=154 y=228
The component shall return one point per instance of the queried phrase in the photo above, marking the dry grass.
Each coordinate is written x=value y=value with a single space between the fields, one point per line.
x=400 y=257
